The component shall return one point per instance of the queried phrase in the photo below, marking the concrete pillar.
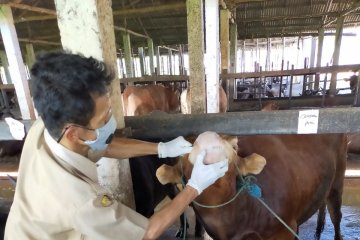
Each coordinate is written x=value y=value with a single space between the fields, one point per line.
x=283 y=48
x=224 y=38
x=151 y=55
x=212 y=55
x=30 y=55
x=268 y=55
x=157 y=52
x=233 y=47
x=312 y=61
x=16 y=63
x=336 y=54
x=181 y=60
x=319 y=56
x=5 y=65
x=170 y=62
x=128 y=56
x=87 y=27
x=142 y=60
x=196 y=55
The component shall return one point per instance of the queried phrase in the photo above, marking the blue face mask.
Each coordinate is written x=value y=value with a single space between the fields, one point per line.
x=104 y=136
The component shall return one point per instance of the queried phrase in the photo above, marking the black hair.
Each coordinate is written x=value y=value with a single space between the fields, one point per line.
x=63 y=87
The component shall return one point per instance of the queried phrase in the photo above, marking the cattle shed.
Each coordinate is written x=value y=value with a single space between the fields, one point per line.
x=251 y=45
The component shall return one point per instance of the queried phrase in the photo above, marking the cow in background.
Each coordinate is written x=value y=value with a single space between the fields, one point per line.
x=296 y=181
x=185 y=99
x=142 y=100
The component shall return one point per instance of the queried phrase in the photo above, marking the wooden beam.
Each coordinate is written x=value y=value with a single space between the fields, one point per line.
x=295 y=72
x=286 y=17
x=37 y=41
x=13 y=53
x=7 y=86
x=35 y=18
x=168 y=126
x=122 y=29
x=224 y=39
x=195 y=21
x=160 y=78
x=32 y=8
x=296 y=102
x=151 y=10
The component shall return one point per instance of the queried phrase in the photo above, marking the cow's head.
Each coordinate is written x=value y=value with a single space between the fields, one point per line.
x=217 y=148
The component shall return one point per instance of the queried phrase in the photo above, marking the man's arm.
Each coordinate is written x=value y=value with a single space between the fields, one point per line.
x=202 y=176
x=122 y=148
x=162 y=219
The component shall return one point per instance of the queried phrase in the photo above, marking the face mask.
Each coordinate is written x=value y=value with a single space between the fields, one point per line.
x=104 y=136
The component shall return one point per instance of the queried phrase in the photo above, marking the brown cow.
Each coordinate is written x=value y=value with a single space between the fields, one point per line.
x=303 y=172
x=185 y=99
x=142 y=100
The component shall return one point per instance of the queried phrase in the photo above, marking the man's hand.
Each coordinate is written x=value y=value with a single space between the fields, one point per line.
x=203 y=175
x=178 y=146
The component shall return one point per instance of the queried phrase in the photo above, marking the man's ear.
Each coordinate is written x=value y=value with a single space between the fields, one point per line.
x=72 y=135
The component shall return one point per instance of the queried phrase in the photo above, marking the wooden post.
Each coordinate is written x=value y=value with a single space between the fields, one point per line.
x=319 y=56
x=233 y=47
x=196 y=55
x=142 y=60
x=5 y=65
x=224 y=38
x=16 y=63
x=212 y=55
x=87 y=27
x=30 y=55
x=151 y=55
x=312 y=61
x=128 y=56
x=336 y=55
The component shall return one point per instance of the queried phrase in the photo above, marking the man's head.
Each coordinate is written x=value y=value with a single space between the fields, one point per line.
x=71 y=89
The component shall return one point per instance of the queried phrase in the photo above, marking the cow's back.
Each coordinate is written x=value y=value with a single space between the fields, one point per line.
x=142 y=100
x=298 y=176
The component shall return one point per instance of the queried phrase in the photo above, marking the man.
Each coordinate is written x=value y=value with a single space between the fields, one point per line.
x=57 y=194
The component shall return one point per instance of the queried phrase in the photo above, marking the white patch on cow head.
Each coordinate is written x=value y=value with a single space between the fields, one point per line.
x=217 y=147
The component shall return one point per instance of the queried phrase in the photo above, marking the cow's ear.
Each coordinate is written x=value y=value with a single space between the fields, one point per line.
x=252 y=164
x=168 y=174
